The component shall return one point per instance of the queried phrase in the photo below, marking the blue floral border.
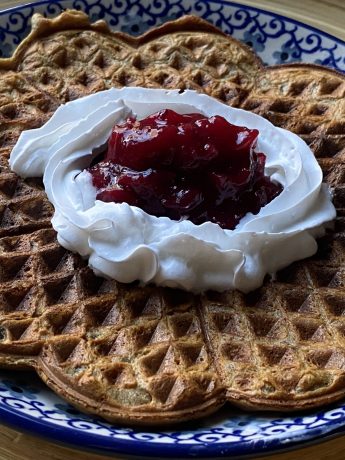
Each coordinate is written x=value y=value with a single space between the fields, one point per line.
x=32 y=407
x=275 y=38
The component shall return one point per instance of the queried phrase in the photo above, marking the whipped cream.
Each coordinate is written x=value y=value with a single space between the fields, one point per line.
x=125 y=243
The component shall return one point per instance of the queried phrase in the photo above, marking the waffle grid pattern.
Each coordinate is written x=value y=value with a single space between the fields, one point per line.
x=133 y=346
x=148 y=355
x=76 y=63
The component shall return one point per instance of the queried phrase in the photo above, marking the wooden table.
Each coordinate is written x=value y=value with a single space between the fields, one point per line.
x=327 y=15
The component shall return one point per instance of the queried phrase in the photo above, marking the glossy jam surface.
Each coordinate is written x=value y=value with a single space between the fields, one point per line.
x=185 y=167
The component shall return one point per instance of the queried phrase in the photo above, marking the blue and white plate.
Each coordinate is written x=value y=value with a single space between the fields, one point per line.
x=27 y=404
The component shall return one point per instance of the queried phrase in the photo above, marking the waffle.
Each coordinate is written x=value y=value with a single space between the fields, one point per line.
x=151 y=355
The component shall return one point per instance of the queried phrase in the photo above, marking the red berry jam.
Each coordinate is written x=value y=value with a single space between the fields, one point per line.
x=185 y=167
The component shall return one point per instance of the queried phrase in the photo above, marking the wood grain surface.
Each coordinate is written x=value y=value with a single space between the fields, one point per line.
x=327 y=15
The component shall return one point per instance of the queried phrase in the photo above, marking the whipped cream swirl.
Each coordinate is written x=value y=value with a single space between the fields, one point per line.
x=125 y=243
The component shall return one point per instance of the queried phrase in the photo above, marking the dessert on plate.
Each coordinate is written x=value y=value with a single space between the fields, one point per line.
x=150 y=355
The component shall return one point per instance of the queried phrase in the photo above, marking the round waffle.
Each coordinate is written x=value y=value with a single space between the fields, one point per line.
x=151 y=355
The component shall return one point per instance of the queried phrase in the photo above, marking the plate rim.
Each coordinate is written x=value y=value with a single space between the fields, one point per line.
x=224 y=2
x=106 y=445
x=283 y=17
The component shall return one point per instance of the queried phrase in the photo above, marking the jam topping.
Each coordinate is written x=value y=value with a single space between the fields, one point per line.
x=185 y=167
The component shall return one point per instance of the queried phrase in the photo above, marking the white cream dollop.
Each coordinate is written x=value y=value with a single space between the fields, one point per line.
x=125 y=243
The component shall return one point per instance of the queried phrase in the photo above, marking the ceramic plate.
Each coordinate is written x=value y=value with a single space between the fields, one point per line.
x=27 y=404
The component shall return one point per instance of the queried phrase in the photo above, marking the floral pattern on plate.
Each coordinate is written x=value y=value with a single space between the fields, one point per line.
x=275 y=38
x=226 y=433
